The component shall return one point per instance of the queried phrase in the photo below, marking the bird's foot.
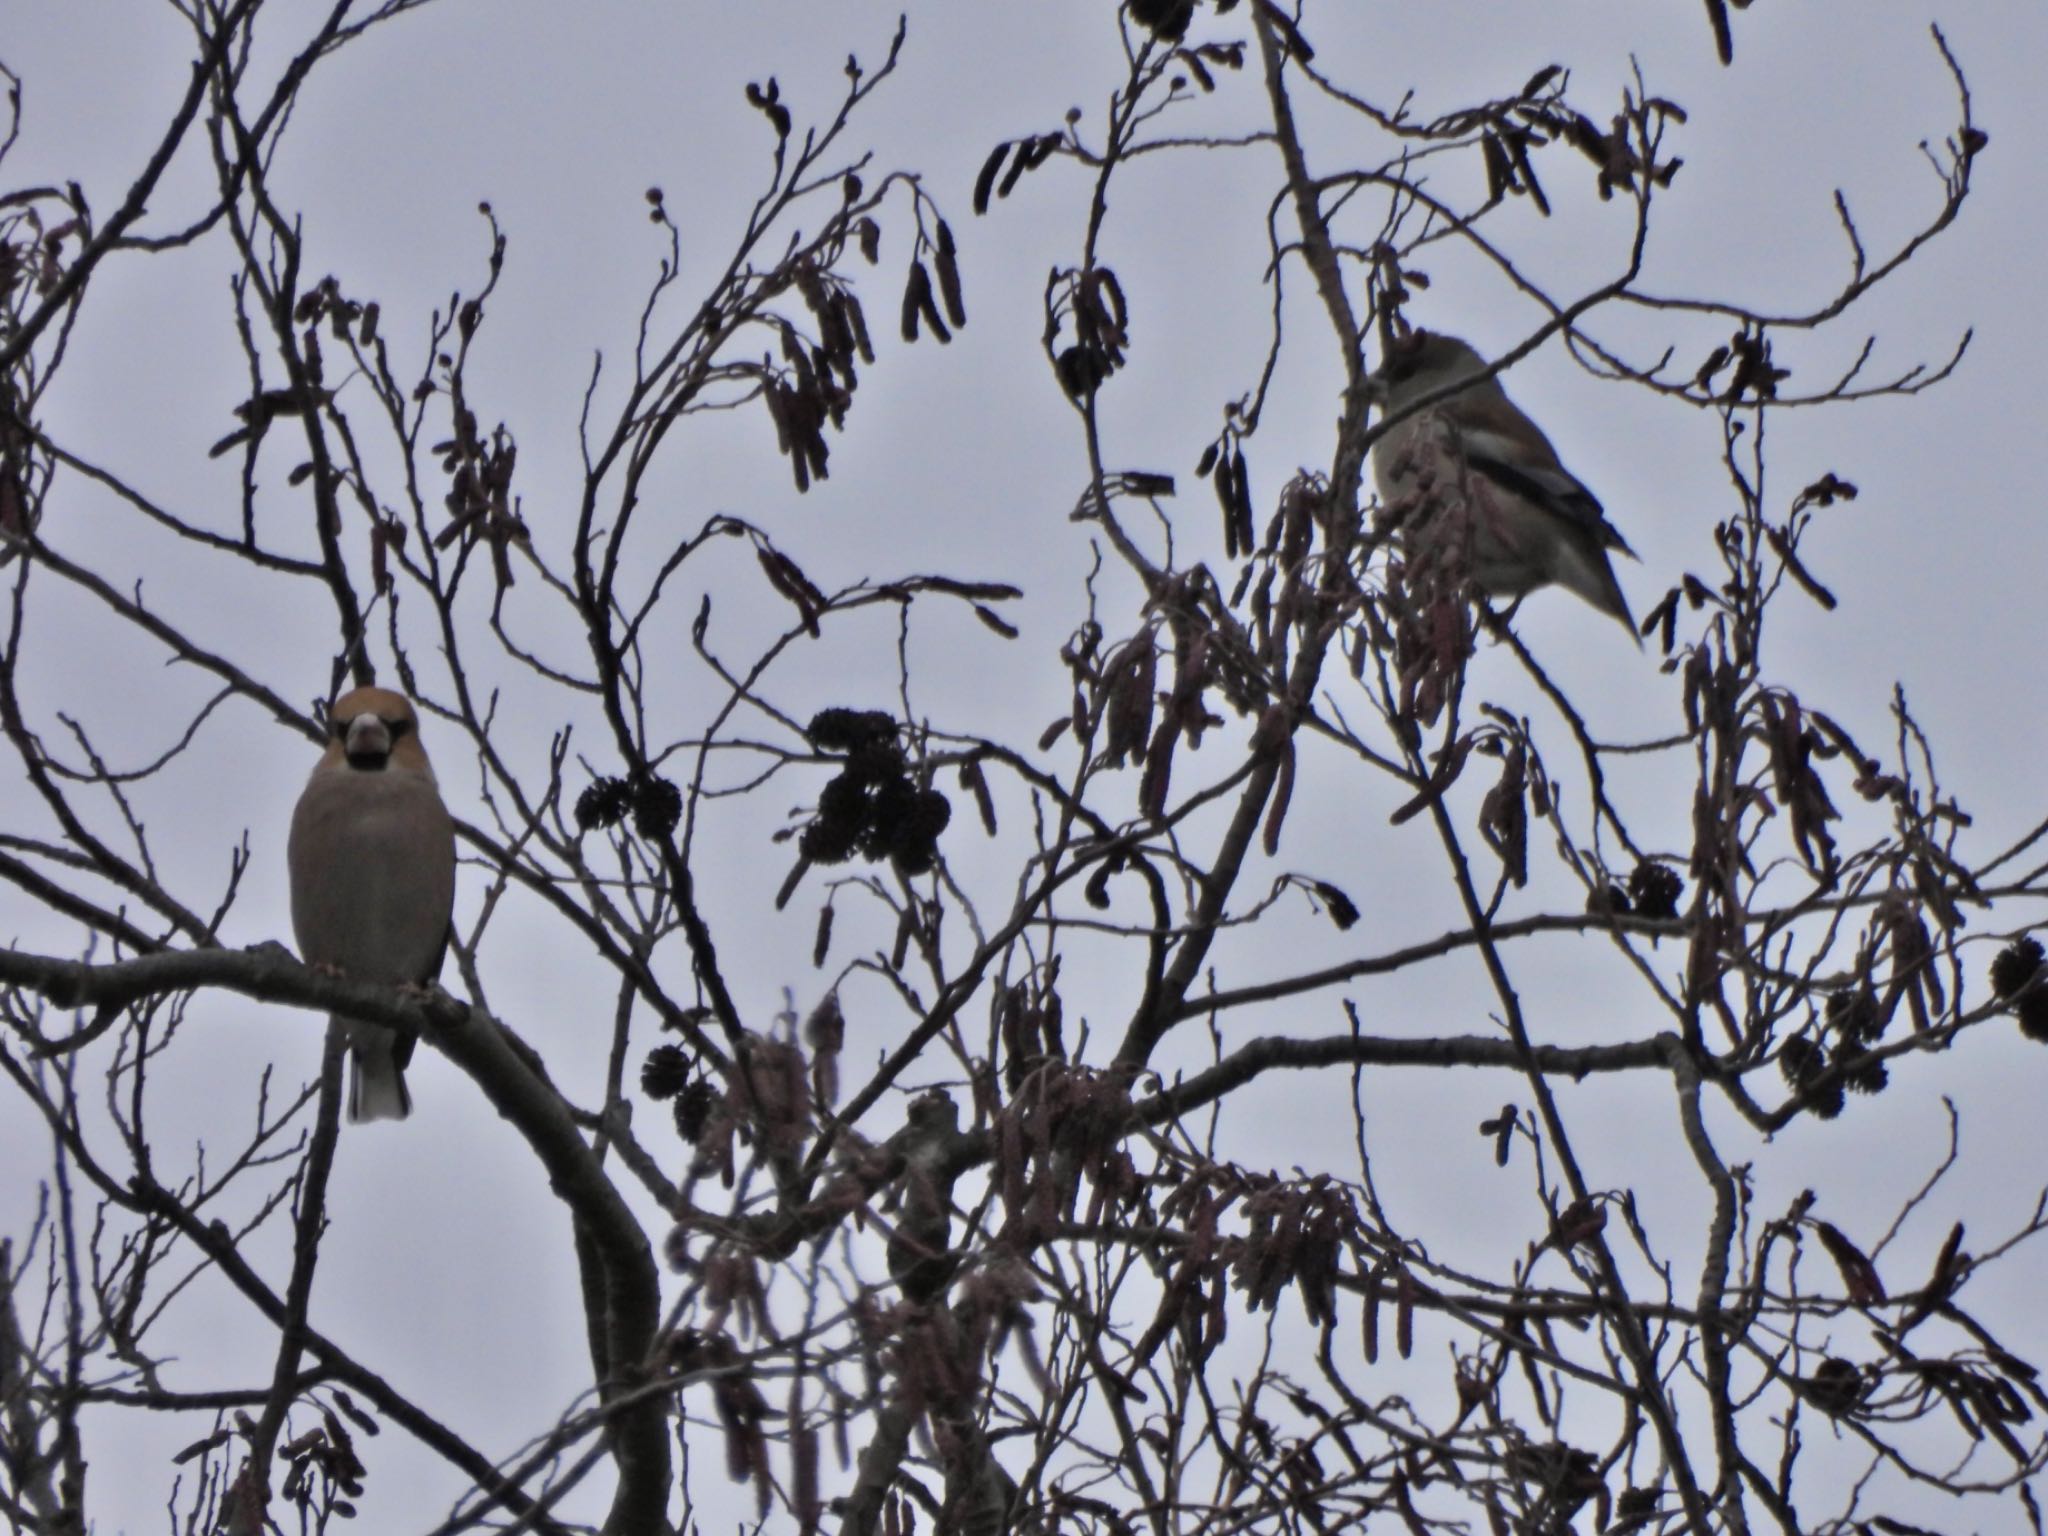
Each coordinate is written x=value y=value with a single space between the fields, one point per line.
x=1496 y=621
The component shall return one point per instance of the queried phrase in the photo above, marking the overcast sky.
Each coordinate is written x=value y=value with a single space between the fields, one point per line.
x=966 y=460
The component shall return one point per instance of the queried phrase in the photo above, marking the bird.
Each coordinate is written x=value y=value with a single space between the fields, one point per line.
x=372 y=859
x=1473 y=469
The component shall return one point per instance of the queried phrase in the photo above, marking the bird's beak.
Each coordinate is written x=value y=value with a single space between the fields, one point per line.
x=368 y=743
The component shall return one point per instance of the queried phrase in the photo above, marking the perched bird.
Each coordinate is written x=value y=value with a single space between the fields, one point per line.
x=373 y=877
x=1473 y=471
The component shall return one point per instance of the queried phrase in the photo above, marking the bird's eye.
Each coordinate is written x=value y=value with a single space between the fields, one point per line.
x=398 y=728
x=337 y=728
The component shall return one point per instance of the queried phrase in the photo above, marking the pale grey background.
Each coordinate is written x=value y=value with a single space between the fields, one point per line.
x=446 y=1265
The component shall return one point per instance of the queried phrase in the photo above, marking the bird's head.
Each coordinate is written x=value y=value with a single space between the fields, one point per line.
x=371 y=729
x=1419 y=364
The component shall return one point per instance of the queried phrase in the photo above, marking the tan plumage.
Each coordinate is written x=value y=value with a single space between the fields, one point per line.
x=1473 y=468
x=372 y=859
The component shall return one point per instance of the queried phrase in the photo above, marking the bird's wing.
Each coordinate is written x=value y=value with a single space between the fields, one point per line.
x=1549 y=485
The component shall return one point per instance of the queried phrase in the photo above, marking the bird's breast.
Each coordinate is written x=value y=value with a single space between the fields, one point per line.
x=372 y=874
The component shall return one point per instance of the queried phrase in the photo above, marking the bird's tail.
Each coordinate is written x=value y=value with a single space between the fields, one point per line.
x=1617 y=604
x=376 y=1082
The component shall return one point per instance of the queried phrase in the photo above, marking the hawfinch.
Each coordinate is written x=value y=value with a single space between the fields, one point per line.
x=1473 y=469
x=373 y=877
